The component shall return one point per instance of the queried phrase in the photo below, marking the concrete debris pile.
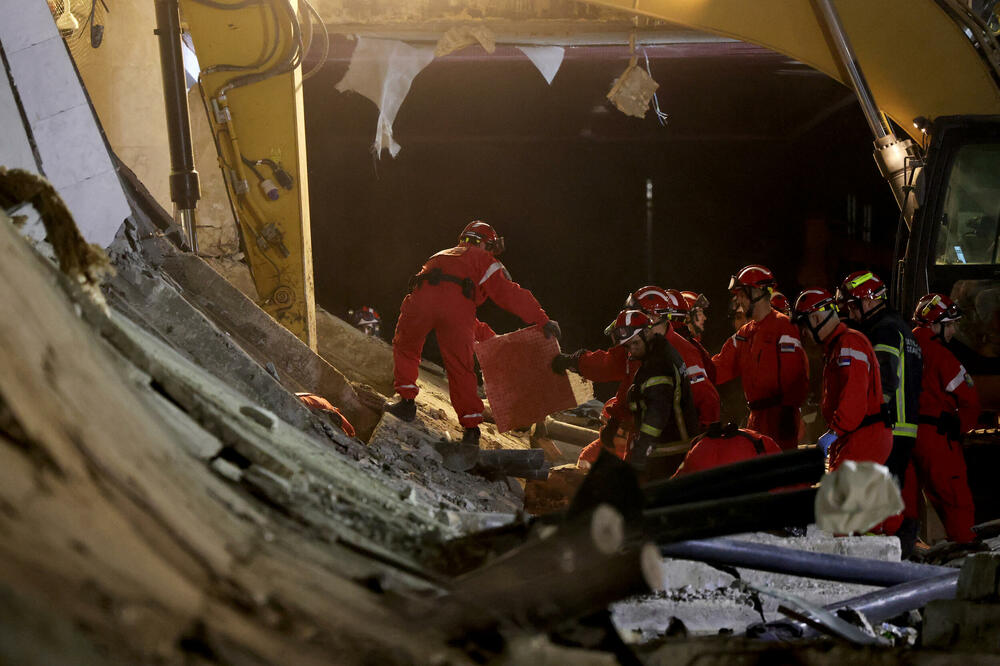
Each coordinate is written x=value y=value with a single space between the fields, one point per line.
x=166 y=497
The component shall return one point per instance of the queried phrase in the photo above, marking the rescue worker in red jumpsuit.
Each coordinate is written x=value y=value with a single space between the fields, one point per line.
x=780 y=303
x=443 y=298
x=852 y=388
x=723 y=445
x=691 y=308
x=697 y=304
x=949 y=407
x=367 y=320
x=767 y=354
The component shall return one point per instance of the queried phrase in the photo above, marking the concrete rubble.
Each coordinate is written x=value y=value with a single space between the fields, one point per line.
x=192 y=510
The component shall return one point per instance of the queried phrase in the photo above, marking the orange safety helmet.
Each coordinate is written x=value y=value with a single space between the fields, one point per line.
x=478 y=232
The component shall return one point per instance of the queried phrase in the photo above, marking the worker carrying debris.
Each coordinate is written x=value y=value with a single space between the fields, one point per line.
x=443 y=298
x=767 y=354
x=863 y=297
x=949 y=407
x=659 y=398
x=852 y=388
x=725 y=444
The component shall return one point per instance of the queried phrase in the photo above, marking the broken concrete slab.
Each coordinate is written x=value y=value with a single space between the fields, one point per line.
x=362 y=358
x=261 y=337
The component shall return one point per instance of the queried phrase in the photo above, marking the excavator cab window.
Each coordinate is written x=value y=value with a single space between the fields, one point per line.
x=970 y=216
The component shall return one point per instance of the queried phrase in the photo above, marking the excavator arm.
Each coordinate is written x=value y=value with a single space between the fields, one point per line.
x=916 y=57
x=251 y=85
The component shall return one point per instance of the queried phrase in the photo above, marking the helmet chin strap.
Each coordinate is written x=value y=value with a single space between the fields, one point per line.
x=764 y=293
x=881 y=303
x=814 y=330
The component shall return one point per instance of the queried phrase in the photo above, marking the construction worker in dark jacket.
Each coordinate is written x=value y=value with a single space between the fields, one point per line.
x=660 y=398
x=862 y=297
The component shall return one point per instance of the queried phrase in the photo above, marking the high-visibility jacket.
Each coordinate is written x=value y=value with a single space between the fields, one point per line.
x=852 y=399
x=722 y=446
x=769 y=358
x=900 y=363
x=703 y=392
x=660 y=401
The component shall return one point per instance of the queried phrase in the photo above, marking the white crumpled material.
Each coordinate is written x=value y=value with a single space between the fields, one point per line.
x=856 y=497
x=383 y=70
x=548 y=59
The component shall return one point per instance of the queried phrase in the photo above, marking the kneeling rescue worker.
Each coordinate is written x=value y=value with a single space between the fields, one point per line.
x=443 y=297
x=852 y=389
x=767 y=354
x=949 y=407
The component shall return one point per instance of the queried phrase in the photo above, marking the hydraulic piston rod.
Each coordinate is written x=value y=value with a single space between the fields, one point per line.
x=184 y=187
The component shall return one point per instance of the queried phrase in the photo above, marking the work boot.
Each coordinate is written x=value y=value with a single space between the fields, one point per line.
x=471 y=437
x=404 y=408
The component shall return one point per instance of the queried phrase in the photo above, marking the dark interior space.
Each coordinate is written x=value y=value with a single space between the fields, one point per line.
x=762 y=160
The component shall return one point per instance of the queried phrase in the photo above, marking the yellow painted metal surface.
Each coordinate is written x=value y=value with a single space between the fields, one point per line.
x=267 y=123
x=916 y=59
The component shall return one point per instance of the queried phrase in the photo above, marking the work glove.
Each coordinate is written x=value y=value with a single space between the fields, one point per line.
x=551 y=329
x=826 y=440
x=563 y=362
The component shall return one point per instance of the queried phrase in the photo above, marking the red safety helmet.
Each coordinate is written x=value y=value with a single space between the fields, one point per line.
x=780 y=302
x=367 y=319
x=695 y=301
x=858 y=285
x=753 y=275
x=936 y=309
x=653 y=301
x=812 y=300
x=629 y=324
x=478 y=232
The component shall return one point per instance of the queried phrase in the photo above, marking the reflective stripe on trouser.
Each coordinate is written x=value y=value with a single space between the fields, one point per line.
x=781 y=423
x=938 y=468
x=452 y=317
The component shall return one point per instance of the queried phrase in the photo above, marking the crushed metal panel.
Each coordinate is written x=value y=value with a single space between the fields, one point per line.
x=519 y=381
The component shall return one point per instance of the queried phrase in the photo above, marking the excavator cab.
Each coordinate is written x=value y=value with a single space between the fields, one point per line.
x=954 y=249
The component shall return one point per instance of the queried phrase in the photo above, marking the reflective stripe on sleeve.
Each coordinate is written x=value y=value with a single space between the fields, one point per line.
x=853 y=353
x=954 y=383
x=889 y=349
x=655 y=381
x=494 y=267
x=650 y=430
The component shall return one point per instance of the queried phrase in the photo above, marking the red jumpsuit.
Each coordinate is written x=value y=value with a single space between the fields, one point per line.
x=703 y=393
x=769 y=358
x=852 y=399
x=949 y=406
x=709 y=452
x=612 y=365
x=451 y=314
x=706 y=358
x=591 y=452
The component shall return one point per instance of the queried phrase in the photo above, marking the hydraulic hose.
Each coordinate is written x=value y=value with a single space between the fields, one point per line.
x=778 y=559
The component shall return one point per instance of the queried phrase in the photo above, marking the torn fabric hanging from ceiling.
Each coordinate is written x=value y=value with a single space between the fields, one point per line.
x=383 y=70
x=547 y=59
